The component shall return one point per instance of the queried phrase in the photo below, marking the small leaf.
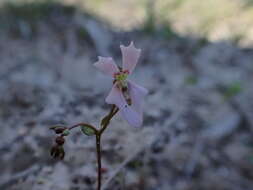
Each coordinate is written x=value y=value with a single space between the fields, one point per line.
x=87 y=130
x=66 y=132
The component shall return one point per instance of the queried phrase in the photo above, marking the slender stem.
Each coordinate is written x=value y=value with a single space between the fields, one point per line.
x=99 y=133
x=80 y=124
x=113 y=111
x=99 y=169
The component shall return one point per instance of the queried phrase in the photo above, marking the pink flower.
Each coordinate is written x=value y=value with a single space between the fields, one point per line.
x=125 y=94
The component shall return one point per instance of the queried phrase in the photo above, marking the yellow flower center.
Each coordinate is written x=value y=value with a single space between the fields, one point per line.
x=121 y=81
x=121 y=76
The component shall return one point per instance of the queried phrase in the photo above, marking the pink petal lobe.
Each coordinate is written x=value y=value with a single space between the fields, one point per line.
x=116 y=97
x=106 y=65
x=137 y=94
x=131 y=116
x=130 y=56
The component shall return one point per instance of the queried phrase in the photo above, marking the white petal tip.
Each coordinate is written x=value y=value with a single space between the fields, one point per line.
x=131 y=45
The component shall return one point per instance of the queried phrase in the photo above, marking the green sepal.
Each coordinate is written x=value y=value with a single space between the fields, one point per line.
x=66 y=132
x=104 y=121
x=56 y=126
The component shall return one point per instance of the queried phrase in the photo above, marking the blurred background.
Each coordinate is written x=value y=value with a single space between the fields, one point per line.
x=196 y=63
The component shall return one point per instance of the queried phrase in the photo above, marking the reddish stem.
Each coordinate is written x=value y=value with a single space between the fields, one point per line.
x=99 y=169
x=98 y=133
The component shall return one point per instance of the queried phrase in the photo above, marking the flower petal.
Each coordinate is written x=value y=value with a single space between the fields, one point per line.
x=130 y=56
x=127 y=112
x=116 y=97
x=106 y=65
x=131 y=116
x=136 y=94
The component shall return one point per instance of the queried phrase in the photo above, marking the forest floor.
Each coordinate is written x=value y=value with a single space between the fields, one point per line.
x=198 y=120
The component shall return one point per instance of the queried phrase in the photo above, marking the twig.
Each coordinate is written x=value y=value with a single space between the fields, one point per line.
x=7 y=146
x=173 y=119
x=99 y=133
x=121 y=166
x=100 y=36
x=198 y=148
x=18 y=176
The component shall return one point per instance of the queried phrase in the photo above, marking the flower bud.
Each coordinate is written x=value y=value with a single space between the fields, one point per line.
x=58 y=129
x=60 y=140
x=57 y=152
